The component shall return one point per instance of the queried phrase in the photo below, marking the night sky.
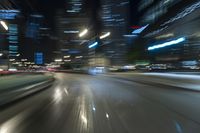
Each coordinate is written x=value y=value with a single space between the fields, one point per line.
x=48 y=8
x=45 y=7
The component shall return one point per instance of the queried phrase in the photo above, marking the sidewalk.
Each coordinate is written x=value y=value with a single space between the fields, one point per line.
x=17 y=86
x=186 y=81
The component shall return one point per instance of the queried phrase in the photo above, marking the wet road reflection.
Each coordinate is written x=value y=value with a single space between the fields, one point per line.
x=88 y=104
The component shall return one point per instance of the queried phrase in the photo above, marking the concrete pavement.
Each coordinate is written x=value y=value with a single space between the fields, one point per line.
x=99 y=104
x=188 y=81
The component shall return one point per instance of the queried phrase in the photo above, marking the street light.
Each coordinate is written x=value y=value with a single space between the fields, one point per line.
x=105 y=35
x=83 y=33
x=4 y=25
x=93 y=45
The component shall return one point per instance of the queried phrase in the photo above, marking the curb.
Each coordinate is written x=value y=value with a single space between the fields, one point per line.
x=16 y=95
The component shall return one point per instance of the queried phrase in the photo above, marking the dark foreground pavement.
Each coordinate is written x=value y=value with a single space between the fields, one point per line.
x=89 y=104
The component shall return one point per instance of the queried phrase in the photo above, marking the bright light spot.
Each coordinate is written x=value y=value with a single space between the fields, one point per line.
x=1 y=54
x=58 y=60
x=94 y=109
x=68 y=56
x=93 y=45
x=67 y=60
x=84 y=119
x=182 y=39
x=12 y=60
x=79 y=57
x=84 y=32
x=107 y=116
x=18 y=55
x=58 y=95
x=4 y=25
x=105 y=35
x=12 y=69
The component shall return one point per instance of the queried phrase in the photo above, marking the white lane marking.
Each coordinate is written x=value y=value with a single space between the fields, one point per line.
x=107 y=116
x=66 y=91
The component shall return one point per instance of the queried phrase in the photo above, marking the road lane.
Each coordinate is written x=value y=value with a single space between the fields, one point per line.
x=98 y=104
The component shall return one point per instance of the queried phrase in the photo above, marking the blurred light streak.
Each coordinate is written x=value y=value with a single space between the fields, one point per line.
x=71 y=32
x=4 y=25
x=93 y=45
x=84 y=119
x=107 y=116
x=83 y=33
x=67 y=56
x=66 y=91
x=177 y=41
x=58 y=60
x=58 y=95
x=105 y=35
x=138 y=31
x=174 y=75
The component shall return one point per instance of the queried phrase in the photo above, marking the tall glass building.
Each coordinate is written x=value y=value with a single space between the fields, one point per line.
x=115 y=18
x=169 y=22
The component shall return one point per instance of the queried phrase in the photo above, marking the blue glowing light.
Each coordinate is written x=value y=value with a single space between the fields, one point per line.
x=177 y=41
x=93 y=45
x=39 y=57
x=140 y=30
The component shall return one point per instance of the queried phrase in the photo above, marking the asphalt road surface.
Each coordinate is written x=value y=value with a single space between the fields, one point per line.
x=100 y=104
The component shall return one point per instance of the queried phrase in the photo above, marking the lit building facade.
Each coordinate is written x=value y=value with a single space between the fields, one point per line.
x=115 y=18
x=169 y=21
x=69 y=23
x=10 y=37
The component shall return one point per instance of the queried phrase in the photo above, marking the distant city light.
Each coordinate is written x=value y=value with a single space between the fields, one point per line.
x=130 y=35
x=71 y=32
x=24 y=59
x=67 y=56
x=12 y=60
x=1 y=54
x=4 y=25
x=58 y=60
x=105 y=35
x=83 y=33
x=93 y=45
x=177 y=41
x=79 y=57
x=67 y=60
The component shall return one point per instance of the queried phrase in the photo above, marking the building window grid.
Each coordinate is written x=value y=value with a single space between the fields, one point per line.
x=158 y=10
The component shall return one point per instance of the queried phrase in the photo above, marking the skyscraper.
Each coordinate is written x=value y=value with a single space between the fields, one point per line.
x=115 y=19
x=69 y=23
x=169 y=22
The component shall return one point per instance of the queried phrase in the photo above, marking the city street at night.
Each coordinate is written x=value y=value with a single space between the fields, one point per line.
x=99 y=66
x=78 y=103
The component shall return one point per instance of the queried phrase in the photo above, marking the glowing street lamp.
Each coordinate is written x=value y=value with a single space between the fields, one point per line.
x=93 y=45
x=83 y=33
x=105 y=35
x=4 y=25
